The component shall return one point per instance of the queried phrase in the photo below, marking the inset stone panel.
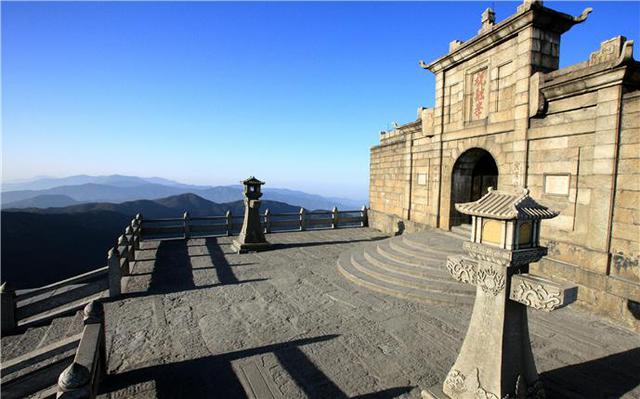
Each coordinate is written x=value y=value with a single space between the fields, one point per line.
x=557 y=184
x=478 y=95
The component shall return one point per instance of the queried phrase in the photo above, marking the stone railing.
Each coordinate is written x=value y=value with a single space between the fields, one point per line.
x=123 y=254
x=189 y=226
x=82 y=378
x=12 y=314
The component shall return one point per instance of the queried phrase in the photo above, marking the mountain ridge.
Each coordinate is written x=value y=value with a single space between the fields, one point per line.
x=130 y=188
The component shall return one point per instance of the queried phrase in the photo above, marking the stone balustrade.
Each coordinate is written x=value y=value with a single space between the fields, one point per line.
x=121 y=257
x=189 y=226
x=81 y=379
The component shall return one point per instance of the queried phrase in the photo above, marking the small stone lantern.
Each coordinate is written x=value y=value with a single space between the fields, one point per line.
x=496 y=360
x=251 y=236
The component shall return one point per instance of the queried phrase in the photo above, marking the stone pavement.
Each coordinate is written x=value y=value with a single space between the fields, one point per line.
x=199 y=321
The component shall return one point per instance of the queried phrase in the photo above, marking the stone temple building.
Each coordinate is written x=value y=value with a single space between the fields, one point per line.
x=506 y=116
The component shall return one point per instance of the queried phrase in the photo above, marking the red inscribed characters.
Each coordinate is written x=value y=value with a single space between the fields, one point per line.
x=479 y=79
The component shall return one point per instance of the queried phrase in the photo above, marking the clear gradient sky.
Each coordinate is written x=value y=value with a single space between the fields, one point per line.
x=209 y=93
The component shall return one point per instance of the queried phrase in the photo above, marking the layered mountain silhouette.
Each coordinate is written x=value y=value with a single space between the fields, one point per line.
x=48 y=192
x=41 y=246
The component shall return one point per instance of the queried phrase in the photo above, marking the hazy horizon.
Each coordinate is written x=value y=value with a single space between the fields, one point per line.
x=237 y=183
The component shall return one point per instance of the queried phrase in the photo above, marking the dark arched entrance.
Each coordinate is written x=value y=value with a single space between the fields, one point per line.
x=473 y=173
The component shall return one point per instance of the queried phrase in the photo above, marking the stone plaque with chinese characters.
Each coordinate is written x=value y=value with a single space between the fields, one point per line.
x=478 y=95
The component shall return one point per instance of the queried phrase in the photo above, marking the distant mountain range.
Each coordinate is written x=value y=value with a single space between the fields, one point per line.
x=170 y=207
x=62 y=192
x=41 y=246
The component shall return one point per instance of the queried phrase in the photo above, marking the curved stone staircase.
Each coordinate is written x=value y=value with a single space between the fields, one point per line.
x=410 y=266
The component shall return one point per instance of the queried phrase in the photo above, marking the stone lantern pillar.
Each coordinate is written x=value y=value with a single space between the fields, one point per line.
x=496 y=360
x=251 y=236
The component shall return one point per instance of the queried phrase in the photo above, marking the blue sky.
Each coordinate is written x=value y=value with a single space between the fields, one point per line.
x=209 y=93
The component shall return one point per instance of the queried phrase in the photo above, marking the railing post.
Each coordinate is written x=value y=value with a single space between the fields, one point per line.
x=93 y=313
x=302 y=212
x=82 y=378
x=364 y=221
x=8 y=309
x=267 y=221
x=115 y=272
x=139 y=224
x=73 y=382
x=229 y=222
x=131 y=237
x=135 y=227
x=123 y=241
x=185 y=217
x=334 y=217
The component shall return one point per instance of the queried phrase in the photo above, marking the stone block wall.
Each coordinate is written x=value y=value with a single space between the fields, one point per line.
x=571 y=136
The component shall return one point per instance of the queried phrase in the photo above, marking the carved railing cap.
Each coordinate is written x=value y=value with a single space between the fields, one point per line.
x=73 y=377
x=6 y=288
x=113 y=252
x=93 y=312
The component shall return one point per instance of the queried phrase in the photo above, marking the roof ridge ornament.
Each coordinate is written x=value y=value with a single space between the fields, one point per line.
x=583 y=17
x=488 y=20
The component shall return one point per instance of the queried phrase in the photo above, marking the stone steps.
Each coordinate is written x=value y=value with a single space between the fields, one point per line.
x=411 y=267
x=442 y=244
x=434 y=271
x=426 y=283
x=382 y=287
x=463 y=231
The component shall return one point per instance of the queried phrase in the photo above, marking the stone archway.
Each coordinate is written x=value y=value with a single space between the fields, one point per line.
x=473 y=173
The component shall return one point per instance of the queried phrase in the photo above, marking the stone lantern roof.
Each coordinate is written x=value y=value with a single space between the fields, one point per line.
x=507 y=206
x=252 y=181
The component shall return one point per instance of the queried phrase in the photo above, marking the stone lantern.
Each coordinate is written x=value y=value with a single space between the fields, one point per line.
x=496 y=360
x=251 y=236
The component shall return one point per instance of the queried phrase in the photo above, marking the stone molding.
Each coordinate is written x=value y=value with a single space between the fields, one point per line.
x=504 y=257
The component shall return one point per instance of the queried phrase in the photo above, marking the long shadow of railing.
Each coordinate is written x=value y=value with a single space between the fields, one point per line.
x=173 y=268
x=213 y=376
x=222 y=267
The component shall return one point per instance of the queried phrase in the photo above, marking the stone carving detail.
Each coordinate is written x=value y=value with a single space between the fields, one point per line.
x=486 y=253
x=455 y=381
x=609 y=51
x=490 y=280
x=536 y=297
x=528 y=256
x=462 y=269
x=504 y=257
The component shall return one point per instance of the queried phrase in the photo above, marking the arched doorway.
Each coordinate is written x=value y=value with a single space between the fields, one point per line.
x=473 y=173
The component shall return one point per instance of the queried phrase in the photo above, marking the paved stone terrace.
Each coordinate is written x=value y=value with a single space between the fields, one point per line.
x=200 y=321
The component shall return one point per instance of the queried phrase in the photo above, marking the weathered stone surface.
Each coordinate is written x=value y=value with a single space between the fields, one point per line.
x=287 y=324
